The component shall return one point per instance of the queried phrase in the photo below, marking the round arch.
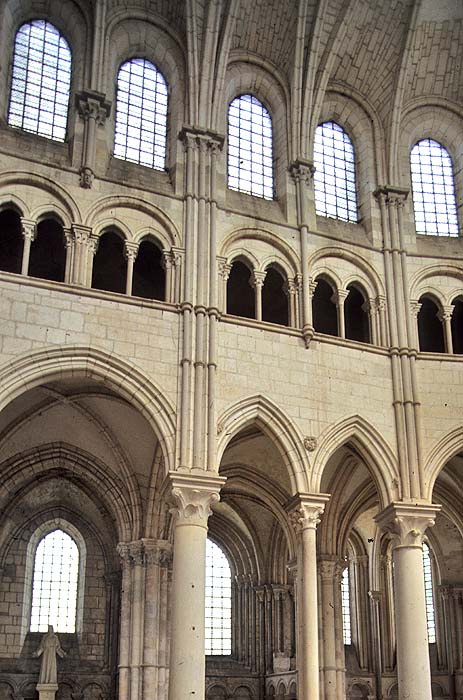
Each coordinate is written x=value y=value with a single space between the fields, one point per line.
x=105 y=208
x=367 y=274
x=239 y=236
x=60 y=197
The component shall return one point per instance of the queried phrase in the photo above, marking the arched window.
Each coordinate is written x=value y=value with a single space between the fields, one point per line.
x=355 y=315
x=48 y=253
x=433 y=189
x=457 y=326
x=274 y=298
x=324 y=311
x=141 y=114
x=218 y=601
x=430 y=330
x=149 y=277
x=429 y=594
x=241 y=300
x=41 y=80
x=334 y=178
x=345 y=603
x=250 y=148
x=54 y=583
x=11 y=241
x=109 y=264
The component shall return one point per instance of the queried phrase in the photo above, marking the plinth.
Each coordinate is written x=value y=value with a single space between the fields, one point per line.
x=47 y=691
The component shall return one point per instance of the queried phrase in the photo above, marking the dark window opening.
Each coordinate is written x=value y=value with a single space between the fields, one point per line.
x=457 y=327
x=241 y=300
x=11 y=241
x=274 y=298
x=355 y=316
x=149 y=277
x=324 y=311
x=48 y=253
x=430 y=330
x=110 y=265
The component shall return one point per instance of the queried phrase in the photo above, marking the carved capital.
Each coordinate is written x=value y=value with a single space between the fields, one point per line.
x=328 y=566
x=28 y=228
x=445 y=314
x=407 y=522
x=81 y=233
x=391 y=196
x=201 y=138
x=258 y=278
x=302 y=171
x=305 y=510
x=93 y=105
x=192 y=494
x=131 y=250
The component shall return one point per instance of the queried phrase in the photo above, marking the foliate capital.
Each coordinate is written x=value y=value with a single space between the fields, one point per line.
x=407 y=522
x=391 y=196
x=192 y=494
x=131 y=250
x=28 y=228
x=328 y=567
x=305 y=510
x=302 y=171
x=93 y=105
x=81 y=233
x=195 y=137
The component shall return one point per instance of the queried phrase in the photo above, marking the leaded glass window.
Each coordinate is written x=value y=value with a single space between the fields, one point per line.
x=41 y=80
x=345 y=601
x=250 y=147
x=54 y=584
x=334 y=178
x=433 y=188
x=429 y=595
x=218 y=601
x=141 y=114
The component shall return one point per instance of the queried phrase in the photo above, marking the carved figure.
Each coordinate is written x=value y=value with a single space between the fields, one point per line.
x=48 y=649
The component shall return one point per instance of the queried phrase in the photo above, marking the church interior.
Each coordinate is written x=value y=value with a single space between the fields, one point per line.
x=231 y=400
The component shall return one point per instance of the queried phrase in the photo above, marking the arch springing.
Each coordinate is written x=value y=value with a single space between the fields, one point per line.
x=433 y=189
x=218 y=601
x=54 y=587
x=141 y=114
x=41 y=80
x=250 y=147
x=334 y=178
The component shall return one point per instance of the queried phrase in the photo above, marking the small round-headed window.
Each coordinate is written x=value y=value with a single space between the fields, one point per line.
x=54 y=583
x=250 y=147
x=433 y=189
x=141 y=114
x=41 y=80
x=218 y=601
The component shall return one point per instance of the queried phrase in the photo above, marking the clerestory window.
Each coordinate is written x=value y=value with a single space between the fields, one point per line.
x=345 y=604
x=41 y=80
x=429 y=594
x=141 y=114
x=250 y=147
x=55 y=583
x=433 y=189
x=334 y=177
x=218 y=601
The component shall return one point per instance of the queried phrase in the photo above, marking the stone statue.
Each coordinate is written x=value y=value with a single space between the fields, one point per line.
x=48 y=649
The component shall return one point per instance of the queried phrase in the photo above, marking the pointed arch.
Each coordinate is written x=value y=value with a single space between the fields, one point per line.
x=370 y=446
x=33 y=369
x=260 y=411
x=448 y=446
